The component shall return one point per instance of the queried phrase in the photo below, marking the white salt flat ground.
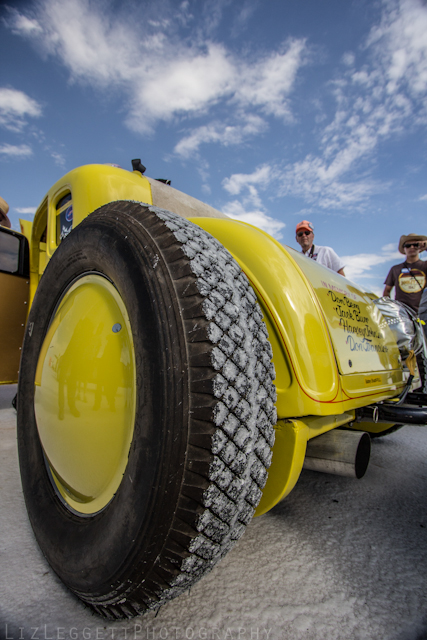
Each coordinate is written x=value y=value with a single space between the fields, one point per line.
x=339 y=559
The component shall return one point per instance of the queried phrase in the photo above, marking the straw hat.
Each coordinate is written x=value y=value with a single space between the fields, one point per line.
x=4 y=207
x=412 y=236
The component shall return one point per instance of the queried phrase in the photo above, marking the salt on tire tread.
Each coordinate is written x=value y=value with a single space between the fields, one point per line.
x=232 y=411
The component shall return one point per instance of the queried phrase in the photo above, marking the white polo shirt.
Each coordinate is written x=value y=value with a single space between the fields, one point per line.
x=325 y=256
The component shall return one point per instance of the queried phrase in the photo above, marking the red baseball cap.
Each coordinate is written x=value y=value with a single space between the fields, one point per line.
x=305 y=225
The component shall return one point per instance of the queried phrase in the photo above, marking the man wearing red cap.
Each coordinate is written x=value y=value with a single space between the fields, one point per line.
x=322 y=255
x=409 y=277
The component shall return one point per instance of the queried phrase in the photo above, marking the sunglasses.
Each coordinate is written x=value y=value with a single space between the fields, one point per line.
x=305 y=233
x=416 y=245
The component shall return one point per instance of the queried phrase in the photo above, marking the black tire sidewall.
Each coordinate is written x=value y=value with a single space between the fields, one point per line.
x=94 y=553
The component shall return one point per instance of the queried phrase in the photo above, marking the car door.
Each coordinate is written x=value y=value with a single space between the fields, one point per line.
x=14 y=296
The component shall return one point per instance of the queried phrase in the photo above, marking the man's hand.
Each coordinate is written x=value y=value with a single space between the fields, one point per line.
x=387 y=290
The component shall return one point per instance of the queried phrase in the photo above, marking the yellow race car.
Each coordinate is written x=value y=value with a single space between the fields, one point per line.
x=171 y=357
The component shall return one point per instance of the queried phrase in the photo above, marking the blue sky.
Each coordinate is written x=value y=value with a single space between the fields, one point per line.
x=272 y=111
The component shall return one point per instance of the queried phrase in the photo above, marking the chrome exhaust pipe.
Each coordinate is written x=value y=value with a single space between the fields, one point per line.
x=393 y=412
x=341 y=452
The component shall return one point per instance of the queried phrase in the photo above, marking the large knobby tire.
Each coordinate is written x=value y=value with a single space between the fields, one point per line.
x=183 y=406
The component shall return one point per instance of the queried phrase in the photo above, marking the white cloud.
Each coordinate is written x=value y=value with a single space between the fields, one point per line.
x=349 y=58
x=190 y=82
x=401 y=45
x=25 y=25
x=220 y=133
x=269 y=82
x=246 y=9
x=239 y=181
x=360 y=265
x=26 y=210
x=256 y=217
x=390 y=248
x=251 y=209
x=58 y=158
x=15 y=151
x=322 y=184
x=15 y=107
x=380 y=100
x=163 y=75
x=423 y=197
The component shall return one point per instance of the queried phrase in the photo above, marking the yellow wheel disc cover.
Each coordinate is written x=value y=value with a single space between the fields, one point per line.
x=85 y=394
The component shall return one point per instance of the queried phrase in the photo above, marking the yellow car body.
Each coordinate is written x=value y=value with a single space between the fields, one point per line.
x=14 y=298
x=332 y=351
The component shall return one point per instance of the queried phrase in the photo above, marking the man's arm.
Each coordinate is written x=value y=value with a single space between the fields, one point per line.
x=331 y=260
x=390 y=282
x=387 y=290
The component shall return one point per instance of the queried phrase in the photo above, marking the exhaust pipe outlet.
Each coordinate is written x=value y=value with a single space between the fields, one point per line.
x=343 y=453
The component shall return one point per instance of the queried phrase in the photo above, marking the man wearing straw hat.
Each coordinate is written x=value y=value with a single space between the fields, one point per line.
x=4 y=209
x=409 y=278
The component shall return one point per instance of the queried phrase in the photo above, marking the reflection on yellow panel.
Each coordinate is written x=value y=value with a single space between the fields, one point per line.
x=85 y=393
